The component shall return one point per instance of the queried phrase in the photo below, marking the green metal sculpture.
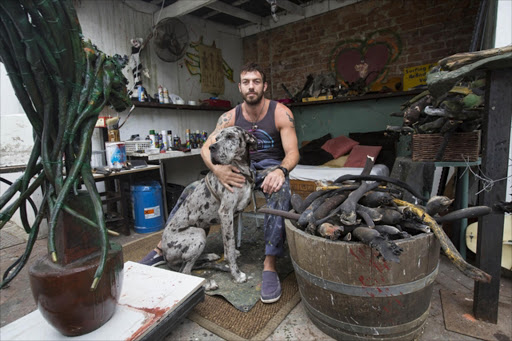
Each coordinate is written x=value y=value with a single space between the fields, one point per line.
x=62 y=83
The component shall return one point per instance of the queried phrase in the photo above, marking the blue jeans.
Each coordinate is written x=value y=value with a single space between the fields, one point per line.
x=274 y=231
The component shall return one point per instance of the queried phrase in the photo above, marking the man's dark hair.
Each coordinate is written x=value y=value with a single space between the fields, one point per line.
x=251 y=67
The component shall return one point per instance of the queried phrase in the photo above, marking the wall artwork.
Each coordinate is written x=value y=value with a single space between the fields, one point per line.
x=360 y=63
x=210 y=66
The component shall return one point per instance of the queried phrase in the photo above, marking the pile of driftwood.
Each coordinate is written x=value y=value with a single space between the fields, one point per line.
x=361 y=208
x=454 y=101
x=458 y=110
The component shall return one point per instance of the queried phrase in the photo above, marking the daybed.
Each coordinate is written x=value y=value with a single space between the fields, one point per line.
x=326 y=159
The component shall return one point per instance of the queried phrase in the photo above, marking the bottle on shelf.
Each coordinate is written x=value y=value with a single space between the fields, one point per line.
x=142 y=94
x=187 y=138
x=165 y=94
x=165 y=140
x=161 y=144
x=152 y=137
x=170 y=140
x=160 y=94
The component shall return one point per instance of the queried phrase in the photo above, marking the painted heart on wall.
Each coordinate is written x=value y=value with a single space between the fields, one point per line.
x=365 y=62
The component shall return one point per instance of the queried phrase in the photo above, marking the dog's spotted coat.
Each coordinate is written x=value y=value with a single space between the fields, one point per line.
x=184 y=237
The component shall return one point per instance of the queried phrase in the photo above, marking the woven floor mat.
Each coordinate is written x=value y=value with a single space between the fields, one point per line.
x=220 y=317
x=136 y=250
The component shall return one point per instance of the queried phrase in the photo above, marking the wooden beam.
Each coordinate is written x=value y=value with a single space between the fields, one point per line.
x=238 y=13
x=291 y=7
x=182 y=7
x=495 y=152
x=310 y=10
x=141 y=6
x=209 y=15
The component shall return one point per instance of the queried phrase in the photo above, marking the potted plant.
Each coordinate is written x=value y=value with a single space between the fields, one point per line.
x=62 y=83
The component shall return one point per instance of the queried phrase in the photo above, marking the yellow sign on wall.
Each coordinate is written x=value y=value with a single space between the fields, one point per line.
x=416 y=75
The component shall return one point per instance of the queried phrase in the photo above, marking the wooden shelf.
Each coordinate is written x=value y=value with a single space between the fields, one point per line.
x=155 y=105
x=358 y=98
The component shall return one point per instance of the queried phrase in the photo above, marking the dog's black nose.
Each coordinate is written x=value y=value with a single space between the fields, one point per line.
x=213 y=147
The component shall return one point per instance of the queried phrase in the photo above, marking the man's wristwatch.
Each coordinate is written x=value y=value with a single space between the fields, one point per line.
x=284 y=170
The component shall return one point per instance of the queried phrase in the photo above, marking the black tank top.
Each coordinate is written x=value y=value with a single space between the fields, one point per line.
x=269 y=138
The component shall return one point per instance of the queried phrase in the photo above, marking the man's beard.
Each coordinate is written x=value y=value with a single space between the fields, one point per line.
x=254 y=101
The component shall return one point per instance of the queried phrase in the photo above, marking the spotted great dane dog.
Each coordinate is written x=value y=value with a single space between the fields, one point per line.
x=184 y=237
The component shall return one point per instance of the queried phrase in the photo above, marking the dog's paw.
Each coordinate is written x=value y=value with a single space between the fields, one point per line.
x=242 y=278
x=211 y=257
x=211 y=285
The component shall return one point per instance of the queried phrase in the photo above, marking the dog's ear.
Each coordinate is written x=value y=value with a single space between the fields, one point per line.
x=251 y=141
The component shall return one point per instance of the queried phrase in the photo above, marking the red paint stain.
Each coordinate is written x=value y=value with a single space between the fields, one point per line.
x=361 y=279
x=469 y=317
x=397 y=301
x=385 y=309
x=154 y=315
x=377 y=267
x=379 y=290
x=353 y=254
x=385 y=264
x=361 y=251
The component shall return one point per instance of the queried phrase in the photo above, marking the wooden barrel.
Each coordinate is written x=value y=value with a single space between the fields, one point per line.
x=350 y=294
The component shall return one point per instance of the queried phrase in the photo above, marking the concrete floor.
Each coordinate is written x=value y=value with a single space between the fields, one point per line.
x=16 y=301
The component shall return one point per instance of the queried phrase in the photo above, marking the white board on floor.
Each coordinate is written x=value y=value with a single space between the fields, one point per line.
x=148 y=295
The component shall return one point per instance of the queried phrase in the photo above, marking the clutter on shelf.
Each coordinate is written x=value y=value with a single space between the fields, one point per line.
x=163 y=141
x=445 y=119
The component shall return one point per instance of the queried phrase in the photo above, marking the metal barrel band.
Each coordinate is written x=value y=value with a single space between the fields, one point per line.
x=364 y=291
x=408 y=327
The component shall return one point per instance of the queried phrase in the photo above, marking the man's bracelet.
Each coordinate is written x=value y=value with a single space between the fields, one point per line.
x=284 y=170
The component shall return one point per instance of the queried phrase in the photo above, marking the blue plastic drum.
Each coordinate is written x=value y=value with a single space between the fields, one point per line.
x=148 y=211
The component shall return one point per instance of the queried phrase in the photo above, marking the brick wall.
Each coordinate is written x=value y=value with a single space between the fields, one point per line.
x=429 y=30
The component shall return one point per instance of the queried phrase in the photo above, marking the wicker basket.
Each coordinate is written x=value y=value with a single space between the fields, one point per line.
x=302 y=188
x=460 y=147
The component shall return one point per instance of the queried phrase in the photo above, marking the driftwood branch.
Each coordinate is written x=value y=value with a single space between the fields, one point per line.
x=455 y=61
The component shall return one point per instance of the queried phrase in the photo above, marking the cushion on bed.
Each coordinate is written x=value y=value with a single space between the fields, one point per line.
x=313 y=154
x=357 y=157
x=379 y=138
x=337 y=163
x=339 y=146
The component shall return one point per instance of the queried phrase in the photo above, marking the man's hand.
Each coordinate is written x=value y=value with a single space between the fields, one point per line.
x=229 y=176
x=273 y=181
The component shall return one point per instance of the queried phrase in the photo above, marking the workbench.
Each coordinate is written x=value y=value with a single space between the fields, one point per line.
x=161 y=158
x=117 y=187
x=117 y=190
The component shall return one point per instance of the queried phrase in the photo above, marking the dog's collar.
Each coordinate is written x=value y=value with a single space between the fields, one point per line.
x=210 y=188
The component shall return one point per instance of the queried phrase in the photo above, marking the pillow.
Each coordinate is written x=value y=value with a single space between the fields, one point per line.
x=382 y=138
x=312 y=153
x=337 y=163
x=339 y=146
x=357 y=157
